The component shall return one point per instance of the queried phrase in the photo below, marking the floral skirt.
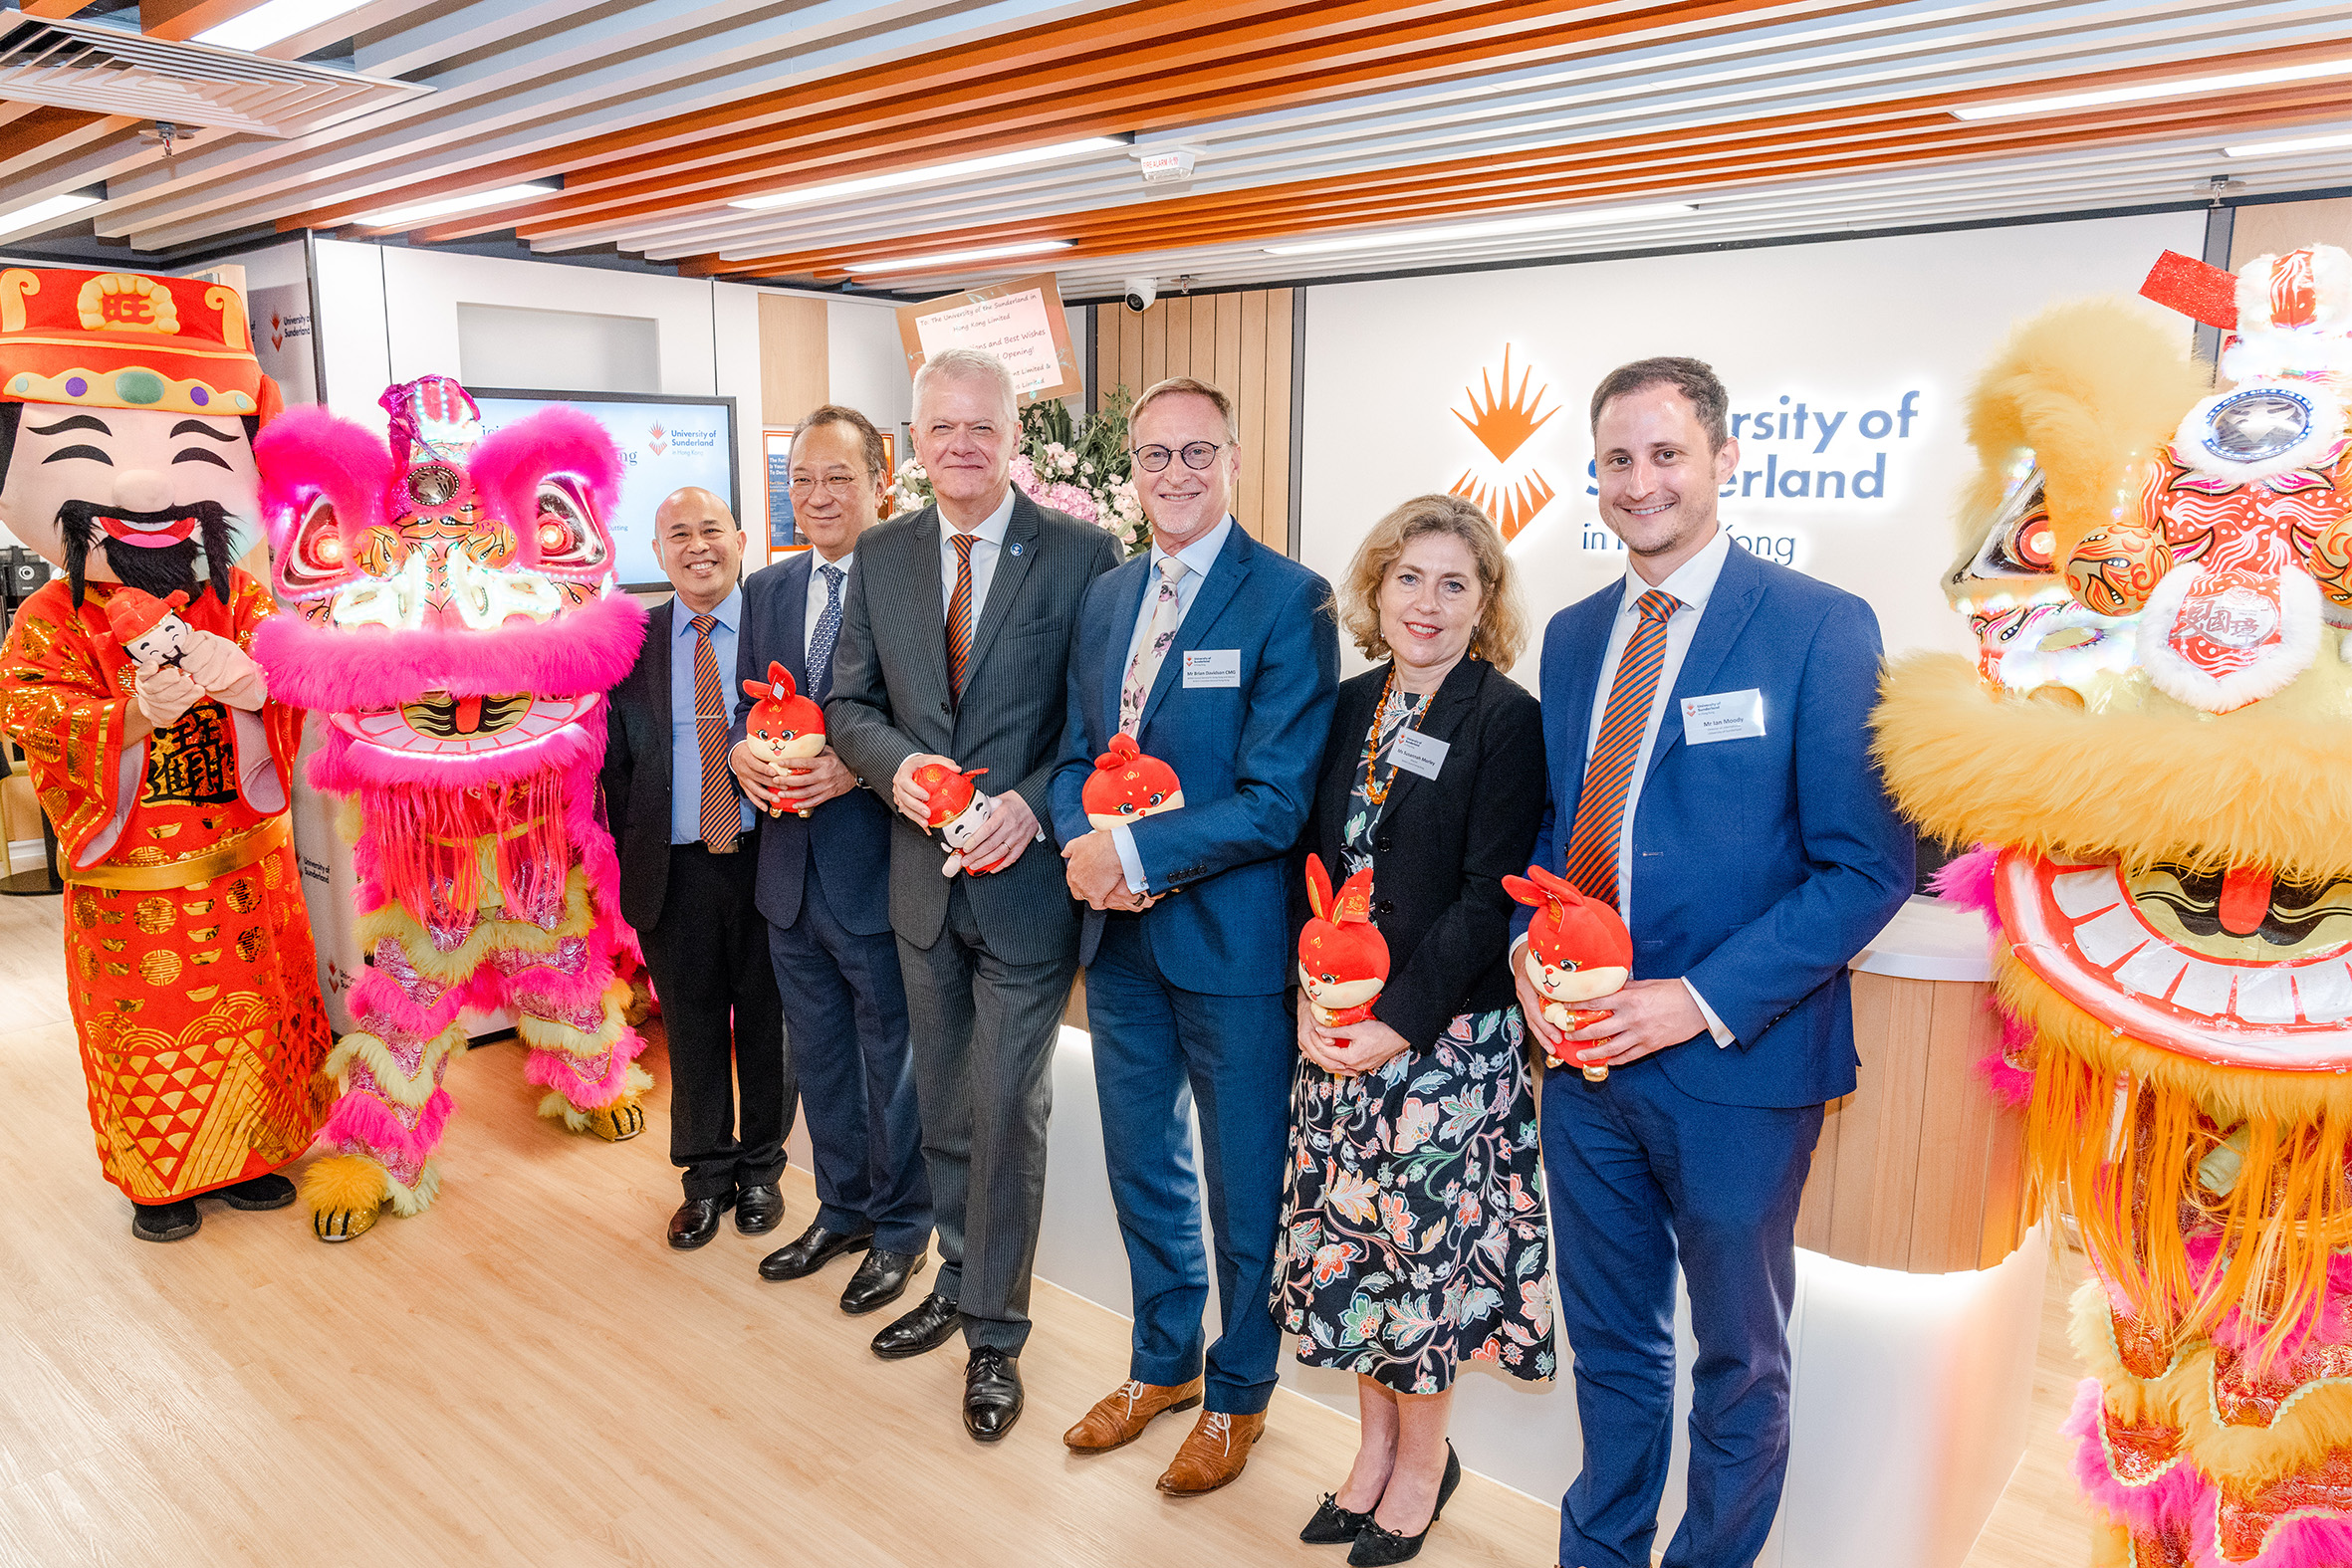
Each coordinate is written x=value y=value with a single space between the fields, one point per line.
x=1413 y=1226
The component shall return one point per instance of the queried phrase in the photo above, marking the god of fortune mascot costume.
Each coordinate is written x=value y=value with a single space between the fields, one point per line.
x=2154 y=754
x=452 y=612
x=128 y=407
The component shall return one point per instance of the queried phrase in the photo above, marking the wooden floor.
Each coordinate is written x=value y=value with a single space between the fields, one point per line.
x=528 y=1375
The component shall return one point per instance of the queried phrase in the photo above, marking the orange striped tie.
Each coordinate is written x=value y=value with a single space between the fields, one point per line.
x=722 y=818
x=1608 y=777
x=959 y=618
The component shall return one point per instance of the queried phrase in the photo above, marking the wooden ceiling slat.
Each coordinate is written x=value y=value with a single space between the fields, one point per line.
x=904 y=117
x=53 y=8
x=1775 y=148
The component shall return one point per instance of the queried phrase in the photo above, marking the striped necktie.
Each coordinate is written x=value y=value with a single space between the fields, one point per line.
x=959 y=616
x=722 y=818
x=1608 y=777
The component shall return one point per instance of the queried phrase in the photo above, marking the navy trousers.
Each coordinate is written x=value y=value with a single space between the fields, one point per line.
x=845 y=1007
x=1160 y=1051
x=1639 y=1173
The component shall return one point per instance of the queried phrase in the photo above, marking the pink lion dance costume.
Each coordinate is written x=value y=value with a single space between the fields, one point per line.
x=451 y=611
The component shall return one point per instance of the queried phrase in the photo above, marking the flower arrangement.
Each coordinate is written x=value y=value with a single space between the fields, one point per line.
x=1078 y=468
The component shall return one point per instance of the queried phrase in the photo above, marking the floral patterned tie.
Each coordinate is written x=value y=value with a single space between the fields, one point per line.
x=1144 y=669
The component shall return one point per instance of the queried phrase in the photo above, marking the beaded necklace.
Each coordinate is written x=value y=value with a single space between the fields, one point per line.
x=1376 y=786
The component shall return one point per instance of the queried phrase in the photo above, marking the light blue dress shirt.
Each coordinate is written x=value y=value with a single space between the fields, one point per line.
x=1198 y=556
x=685 y=739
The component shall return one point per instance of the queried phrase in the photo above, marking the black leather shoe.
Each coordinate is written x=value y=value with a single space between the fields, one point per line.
x=1334 y=1525
x=697 y=1220
x=930 y=1325
x=1376 y=1547
x=879 y=1280
x=992 y=1393
x=757 y=1210
x=165 y=1222
x=270 y=1190
x=816 y=1248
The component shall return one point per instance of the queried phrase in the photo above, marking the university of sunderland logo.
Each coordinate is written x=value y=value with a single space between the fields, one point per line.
x=1502 y=423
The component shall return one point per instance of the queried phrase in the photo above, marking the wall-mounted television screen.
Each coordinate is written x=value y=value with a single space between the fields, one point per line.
x=665 y=443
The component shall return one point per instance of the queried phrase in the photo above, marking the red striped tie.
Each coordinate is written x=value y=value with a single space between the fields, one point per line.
x=722 y=817
x=1608 y=777
x=959 y=616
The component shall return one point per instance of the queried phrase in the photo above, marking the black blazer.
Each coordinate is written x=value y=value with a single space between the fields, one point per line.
x=1442 y=847
x=636 y=772
x=850 y=835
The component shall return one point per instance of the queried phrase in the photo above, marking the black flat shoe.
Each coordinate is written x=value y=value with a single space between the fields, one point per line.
x=165 y=1222
x=881 y=1279
x=816 y=1248
x=1334 y=1525
x=268 y=1191
x=930 y=1325
x=992 y=1393
x=757 y=1210
x=1376 y=1547
x=697 y=1220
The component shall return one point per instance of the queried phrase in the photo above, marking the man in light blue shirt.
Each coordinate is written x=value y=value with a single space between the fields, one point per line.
x=666 y=780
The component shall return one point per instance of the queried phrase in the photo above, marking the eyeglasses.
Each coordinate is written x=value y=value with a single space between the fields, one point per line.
x=835 y=485
x=1197 y=454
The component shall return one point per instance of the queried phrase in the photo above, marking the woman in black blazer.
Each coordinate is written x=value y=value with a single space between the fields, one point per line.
x=1414 y=1230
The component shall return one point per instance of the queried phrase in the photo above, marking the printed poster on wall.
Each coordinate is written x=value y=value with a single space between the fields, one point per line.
x=1021 y=323
x=775 y=451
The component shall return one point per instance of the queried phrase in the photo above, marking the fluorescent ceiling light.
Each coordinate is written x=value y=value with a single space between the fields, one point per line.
x=958 y=258
x=808 y=195
x=471 y=202
x=273 y=20
x=2258 y=149
x=1590 y=217
x=2140 y=93
x=46 y=211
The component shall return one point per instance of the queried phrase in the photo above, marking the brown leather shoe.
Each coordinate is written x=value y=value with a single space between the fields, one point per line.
x=1119 y=1417
x=1213 y=1454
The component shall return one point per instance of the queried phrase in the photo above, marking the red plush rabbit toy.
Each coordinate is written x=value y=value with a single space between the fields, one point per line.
x=1342 y=958
x=782 y=723
x=1578 y=949
x=1127 y=785
x=957 y=809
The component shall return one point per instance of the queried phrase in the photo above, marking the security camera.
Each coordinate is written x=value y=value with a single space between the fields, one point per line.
x=1140 y=293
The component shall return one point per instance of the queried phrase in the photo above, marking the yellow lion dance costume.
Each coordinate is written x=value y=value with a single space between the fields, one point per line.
x=2151 y=757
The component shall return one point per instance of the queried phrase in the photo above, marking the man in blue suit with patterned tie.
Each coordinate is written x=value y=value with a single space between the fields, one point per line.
x=1705 y=720
x=1220 y=657
x=822 y=888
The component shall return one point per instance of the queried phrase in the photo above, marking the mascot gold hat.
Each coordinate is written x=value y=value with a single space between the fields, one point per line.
x=114 y=339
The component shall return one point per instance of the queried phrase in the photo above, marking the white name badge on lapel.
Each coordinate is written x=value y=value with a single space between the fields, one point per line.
x=1419 y=753
x=1213 y=667
x=1724 y=716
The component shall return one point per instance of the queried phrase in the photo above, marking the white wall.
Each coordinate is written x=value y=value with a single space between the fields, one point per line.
x=1844 y=328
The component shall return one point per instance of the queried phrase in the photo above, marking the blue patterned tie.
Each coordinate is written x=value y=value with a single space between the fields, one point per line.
x=829 y=632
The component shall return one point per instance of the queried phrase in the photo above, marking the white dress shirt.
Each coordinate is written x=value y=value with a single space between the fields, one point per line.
x=1198 y=556
x=816 y=597
x=984 y=558
x=1693 y=582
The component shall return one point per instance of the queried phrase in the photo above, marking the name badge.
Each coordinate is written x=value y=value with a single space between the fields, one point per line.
x=1213 y=667
x=1724 y=716
x=1419 y=753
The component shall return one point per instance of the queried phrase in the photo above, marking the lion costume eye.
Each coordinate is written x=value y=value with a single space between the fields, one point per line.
x=563 y=533
x=318 y=557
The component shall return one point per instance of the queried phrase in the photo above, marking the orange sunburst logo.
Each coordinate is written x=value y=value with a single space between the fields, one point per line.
x=660 y=441
x=1502 y=424
x=1513 y=507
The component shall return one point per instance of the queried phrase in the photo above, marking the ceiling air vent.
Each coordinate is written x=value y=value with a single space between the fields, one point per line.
x=110 y=70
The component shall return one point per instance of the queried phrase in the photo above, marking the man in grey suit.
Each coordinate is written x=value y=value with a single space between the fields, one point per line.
x=954 y=650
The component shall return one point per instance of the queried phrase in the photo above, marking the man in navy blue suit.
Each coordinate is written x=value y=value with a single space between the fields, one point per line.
x=1221 y=658
x=821 y=885
x=1711 y=775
